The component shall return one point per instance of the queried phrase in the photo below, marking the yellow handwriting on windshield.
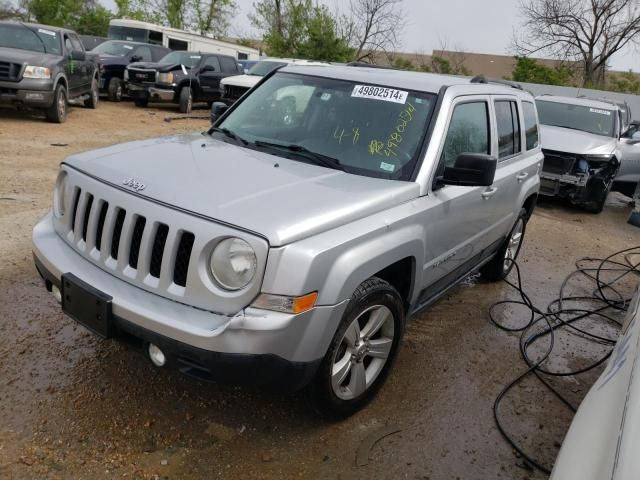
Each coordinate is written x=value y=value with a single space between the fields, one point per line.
x=395 y=138
x=340 y=134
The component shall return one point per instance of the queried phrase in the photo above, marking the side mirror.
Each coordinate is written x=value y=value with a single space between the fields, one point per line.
x=135 y=58
x=78 y=55
x=207 y=68
x=217 y=109
x=471 y=170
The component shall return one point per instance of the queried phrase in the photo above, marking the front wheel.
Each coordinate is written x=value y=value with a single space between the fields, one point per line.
x=501 y=264
x=361 y=352
x=57 y=112
x=186 y=100
x=114 y=89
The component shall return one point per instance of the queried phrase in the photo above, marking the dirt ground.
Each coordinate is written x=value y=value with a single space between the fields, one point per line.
x=73 y=406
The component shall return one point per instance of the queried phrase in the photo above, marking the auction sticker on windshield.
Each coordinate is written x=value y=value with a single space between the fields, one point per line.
x=47 y=32
x=380 y=93
x=601 y=112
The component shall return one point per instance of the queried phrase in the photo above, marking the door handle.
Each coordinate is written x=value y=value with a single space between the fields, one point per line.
x=521 y=176
x=489 y=192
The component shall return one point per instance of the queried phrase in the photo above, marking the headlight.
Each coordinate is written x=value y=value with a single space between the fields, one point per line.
x=233 y=263
x=60 y=194
x=165 y=77
x=36 y=72
x=126 y=75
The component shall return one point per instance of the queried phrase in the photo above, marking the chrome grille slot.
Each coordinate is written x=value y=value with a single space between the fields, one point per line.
x=117 y=233
x=183 y=255
x=100 y=228
x=87 y=212
x=157 y=251
x=76 y=200
x=136 y=241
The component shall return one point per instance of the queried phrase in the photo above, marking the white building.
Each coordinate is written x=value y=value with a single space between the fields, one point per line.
x=137 y=31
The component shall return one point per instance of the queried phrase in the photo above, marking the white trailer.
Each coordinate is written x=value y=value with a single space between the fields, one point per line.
x=137 y=31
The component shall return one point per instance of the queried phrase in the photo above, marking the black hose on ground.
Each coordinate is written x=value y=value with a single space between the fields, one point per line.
x=605 y=304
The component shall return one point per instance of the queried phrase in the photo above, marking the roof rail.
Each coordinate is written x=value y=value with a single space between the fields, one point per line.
x=369 y=65
x=483 y=79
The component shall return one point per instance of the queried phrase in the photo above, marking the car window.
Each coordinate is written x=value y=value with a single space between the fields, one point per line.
x=212 y=62
x=468 y=131
x=530 y=125
x=508 y=123
x=144 y=53
x=633 y=128
x=157 y=54
x=229 y=65
x=76 y=44
x=67 y=44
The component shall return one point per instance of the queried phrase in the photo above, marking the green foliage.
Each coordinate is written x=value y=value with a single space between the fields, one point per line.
x=443 y=65
x=84 y=16
x=94 y=22
x=626 y=82
x=300 y=28
x=530 y=71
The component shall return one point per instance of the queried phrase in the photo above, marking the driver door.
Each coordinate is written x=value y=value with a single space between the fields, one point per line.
x=73 y=68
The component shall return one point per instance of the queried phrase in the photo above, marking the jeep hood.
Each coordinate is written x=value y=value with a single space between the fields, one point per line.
x=247 y=81
x=576 y=141
x=282 y=200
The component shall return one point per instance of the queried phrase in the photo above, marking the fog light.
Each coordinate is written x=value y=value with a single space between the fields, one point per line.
x=156 y=355
x=34 y=96
x=56 y=293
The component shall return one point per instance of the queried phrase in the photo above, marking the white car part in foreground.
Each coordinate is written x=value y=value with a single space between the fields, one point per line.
x=603 y=441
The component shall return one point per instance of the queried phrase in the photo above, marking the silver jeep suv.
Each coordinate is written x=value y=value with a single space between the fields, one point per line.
x=289 y=244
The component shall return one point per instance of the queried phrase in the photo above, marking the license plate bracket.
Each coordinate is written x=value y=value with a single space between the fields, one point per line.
x=87 y=305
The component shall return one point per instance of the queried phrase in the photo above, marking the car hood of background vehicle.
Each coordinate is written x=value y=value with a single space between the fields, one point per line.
x=160 y=67
x=576 y=141
x=112 y=60
x=280 y=199
x=17 y=55
x=241 y=80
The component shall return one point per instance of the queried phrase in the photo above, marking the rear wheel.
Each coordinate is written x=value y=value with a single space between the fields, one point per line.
x=92 y=101
x=115 y=89
x=57 y=112
x=361 y=352
x=502 y=263
x=186 y=100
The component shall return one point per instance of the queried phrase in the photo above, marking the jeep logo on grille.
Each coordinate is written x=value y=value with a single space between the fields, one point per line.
x=133 y=184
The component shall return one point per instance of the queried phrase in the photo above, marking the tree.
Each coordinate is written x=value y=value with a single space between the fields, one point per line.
x=625 y=82
x=213 y=16
x=588 y=31
x=85 y=16
x=93 y=21
x=373 y=26
x=531 y=71
x=299 y=28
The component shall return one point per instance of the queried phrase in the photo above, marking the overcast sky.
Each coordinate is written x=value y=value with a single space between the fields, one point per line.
x=468 y=25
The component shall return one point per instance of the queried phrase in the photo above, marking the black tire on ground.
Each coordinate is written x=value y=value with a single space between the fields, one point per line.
x=94 y=94
x=57 y=112
x=114 y=89
x=343 y=364
x=498 y=267
x=186 y=100
x=599 y=199
x=141 y=101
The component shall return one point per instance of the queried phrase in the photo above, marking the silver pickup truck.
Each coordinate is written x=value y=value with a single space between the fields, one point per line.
x=289 y=244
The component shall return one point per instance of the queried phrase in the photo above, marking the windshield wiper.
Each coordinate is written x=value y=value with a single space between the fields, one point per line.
x=229 y=134
x=317 y=158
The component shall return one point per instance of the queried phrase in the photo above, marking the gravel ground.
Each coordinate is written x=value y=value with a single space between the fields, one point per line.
x=73 y=406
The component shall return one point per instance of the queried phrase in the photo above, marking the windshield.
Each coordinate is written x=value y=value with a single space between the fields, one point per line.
x=188 y=59
x=371 y=130
x=25 y=38
x=260 y=69
x=118 y=49
x=598 y=121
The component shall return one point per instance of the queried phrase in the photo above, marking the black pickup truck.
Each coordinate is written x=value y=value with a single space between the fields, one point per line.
x=113 y=58
x=44 y=67
x=180 y=77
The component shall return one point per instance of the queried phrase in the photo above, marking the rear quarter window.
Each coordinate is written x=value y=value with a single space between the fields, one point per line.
x=530 y=125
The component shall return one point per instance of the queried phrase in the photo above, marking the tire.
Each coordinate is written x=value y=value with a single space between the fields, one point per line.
x=186 y=100
x=375 y=302
x=597 y=204
x=57 y=112
x=141 y=101
x=114 y=90
x=501 y=264
x=94 y=94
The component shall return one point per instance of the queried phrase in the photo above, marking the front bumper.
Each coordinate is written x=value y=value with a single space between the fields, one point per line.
x=254 y=346
x=153 y=93
x=29 y=92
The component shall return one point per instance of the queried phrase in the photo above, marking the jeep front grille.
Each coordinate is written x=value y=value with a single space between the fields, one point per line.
x=150 y=245
x=558 y=162
x=127 y=235
x=10 y=71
